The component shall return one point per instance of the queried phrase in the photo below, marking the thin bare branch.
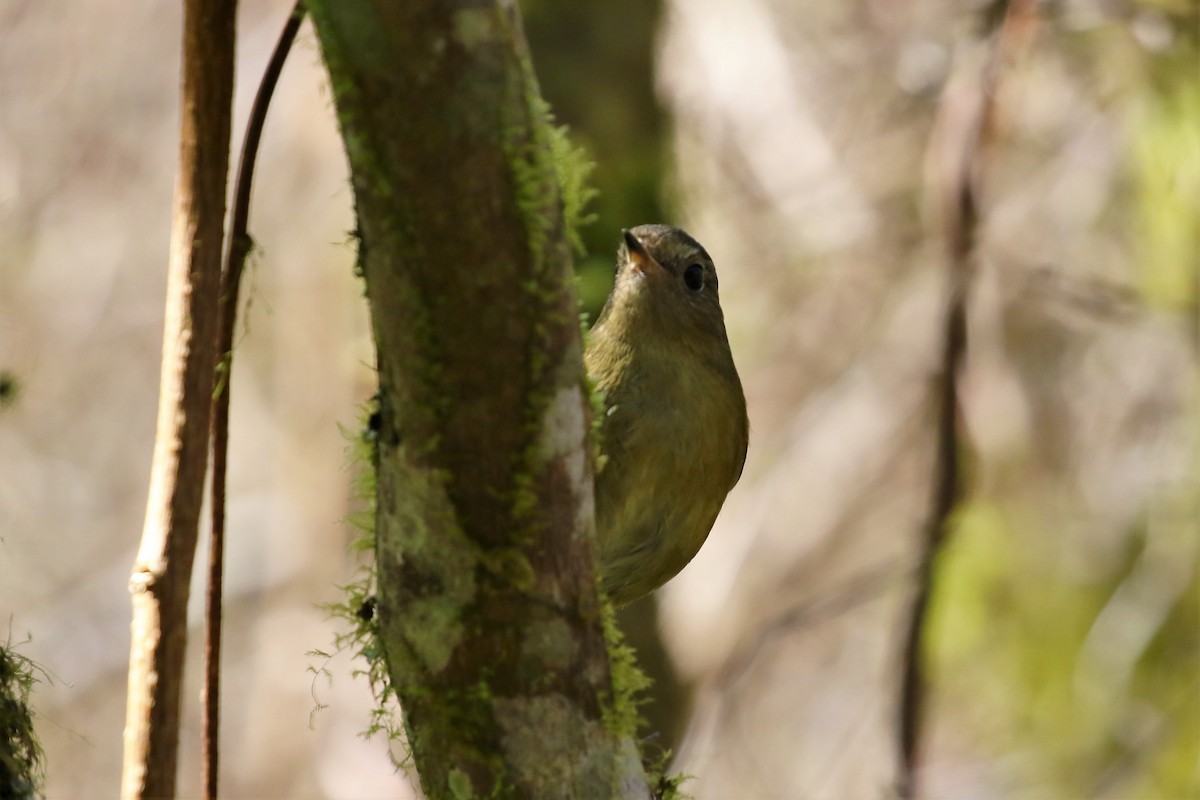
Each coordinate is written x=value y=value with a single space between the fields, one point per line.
x=162 y=571
x=237 y=249
x=966 y=137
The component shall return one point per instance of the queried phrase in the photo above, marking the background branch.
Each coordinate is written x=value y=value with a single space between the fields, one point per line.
x=965 y=137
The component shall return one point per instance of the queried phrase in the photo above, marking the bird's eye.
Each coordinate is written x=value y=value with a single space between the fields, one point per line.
x=693 y=276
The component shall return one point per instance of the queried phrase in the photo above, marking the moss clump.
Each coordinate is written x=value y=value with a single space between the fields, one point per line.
x=573 y=167
x=629 y=687
x=664 y=785
x=550 y=179
x=460 y=785
x=628 y=680
x=596 y=402
x=22 y=768
x=358 y=609
x=511 y=566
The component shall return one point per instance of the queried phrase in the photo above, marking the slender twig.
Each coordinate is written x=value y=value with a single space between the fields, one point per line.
x=238 y=246
x=963 y=223
x=947 y=490
x=163 y=569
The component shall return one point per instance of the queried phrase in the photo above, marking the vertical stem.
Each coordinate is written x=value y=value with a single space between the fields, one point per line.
x=238 y=247
x=162 y=571
x=947 y=490
x=963 y=223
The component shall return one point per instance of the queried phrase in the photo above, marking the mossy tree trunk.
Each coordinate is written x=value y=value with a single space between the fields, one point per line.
x=487 y=610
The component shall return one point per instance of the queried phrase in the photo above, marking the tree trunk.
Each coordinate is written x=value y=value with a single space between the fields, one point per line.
x=488 y=610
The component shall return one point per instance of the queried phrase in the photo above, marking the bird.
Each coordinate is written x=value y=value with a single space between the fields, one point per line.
x=674 y=430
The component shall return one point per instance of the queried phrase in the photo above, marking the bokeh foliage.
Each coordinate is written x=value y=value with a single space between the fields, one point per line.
x=1165 y=129
x=1082 y=662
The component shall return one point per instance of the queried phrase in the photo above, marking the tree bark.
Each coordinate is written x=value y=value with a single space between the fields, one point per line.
x=488 y=610
x=162 y=572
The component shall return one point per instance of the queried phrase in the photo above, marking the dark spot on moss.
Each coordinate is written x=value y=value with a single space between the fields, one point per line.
x=366 y=611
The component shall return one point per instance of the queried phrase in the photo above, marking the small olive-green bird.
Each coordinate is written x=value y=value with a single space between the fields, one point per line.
x=675 y=431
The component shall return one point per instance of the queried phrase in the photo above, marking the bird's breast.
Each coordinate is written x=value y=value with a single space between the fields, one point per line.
x=675 y=440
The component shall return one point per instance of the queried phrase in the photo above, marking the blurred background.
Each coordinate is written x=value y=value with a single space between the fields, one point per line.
x=801 y=142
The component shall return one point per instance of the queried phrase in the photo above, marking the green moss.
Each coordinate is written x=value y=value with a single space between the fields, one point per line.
x=524 y=493
x=460 y=785
x=628 y=680
x=431 y=626
x=573 y=167
x=664 y=785
x=447 y=737
x=433 y=549
x=596 y=403
x=22 y=762
x=357 y=611
x=549 y=176
x=475 y=26
x=512 y=566
x=341 y=26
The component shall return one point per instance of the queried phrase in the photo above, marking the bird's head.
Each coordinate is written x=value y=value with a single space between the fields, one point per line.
x=666 y=282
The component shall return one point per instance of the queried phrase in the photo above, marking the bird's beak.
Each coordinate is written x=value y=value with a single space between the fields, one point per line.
x=637 y=255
